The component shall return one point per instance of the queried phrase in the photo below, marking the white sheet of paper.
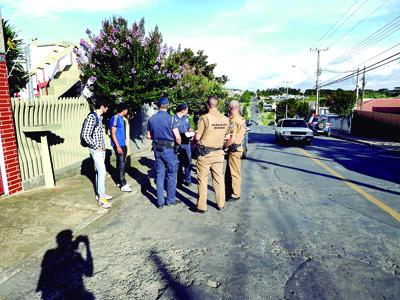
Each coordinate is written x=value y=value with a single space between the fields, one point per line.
x=189 y=134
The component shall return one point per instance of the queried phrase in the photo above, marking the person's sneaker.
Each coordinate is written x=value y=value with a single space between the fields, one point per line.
x=107 y=197
x=187 y=183
x=126 y=188
x=104 y=203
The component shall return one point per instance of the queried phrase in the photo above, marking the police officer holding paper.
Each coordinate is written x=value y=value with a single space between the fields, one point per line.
x=185 y=155
x=237 y=130
x=164 y=132
x=210 y=136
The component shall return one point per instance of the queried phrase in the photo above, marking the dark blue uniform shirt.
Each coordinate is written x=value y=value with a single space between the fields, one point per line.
x=182 y=123
x=160 y=126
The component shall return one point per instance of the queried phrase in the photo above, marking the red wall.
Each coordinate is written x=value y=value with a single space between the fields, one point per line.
x=7 y=133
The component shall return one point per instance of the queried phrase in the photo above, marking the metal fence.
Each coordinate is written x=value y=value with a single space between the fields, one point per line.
x=340 y=123
x=63 y=117
x=64 y=142
x=376 y=124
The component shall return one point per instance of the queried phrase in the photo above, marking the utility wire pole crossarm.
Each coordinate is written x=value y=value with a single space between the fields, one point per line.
x=317 y=82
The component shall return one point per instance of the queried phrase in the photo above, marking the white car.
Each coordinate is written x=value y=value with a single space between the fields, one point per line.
x=293 y=130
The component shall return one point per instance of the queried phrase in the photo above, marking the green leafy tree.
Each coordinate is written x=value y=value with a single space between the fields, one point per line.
x=124 y=62
x=198 y=81
x=341 y=102
x=18 y=77
x=281 y=108
x=246 y=96
x=303 y=109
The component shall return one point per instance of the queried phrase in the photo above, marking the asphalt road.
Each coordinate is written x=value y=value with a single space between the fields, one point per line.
x=312 y=223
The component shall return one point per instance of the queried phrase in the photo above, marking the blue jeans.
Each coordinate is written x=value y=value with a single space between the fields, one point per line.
x=121 y=165
x=99 y=157
x=185 y=162
x=166 y=170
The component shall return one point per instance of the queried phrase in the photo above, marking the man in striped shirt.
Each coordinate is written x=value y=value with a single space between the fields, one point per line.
x=92 y=134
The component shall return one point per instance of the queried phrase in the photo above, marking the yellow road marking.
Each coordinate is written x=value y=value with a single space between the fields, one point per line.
x=355 y=187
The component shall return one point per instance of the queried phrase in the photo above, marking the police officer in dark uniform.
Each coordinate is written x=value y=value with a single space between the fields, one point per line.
x=164 y=132
x=185 y=155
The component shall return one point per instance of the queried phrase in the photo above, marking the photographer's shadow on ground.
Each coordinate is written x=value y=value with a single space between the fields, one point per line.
x=63 y=269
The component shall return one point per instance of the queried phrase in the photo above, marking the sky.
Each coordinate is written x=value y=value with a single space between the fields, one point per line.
x=257 y=44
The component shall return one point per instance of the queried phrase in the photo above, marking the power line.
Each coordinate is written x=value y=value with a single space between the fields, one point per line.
x=356 y=66
x=374 y=66
x=369 y=68
x=337 y=28
x=377 y=55
x=372 y=39
x=360 y=22
x=370 y=44
x=337 y=21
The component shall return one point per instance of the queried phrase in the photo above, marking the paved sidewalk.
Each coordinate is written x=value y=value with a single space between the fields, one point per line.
x=386 y=145
x=30 y=220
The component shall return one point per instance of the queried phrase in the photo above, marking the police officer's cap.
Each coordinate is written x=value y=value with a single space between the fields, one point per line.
x=181 y=107
x=163 y=101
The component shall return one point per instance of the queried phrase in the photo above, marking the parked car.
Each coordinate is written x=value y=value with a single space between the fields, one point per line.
x=319 y=124
x=251 y=122
x=293 y=130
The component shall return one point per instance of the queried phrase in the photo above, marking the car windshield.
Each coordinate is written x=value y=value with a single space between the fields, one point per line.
x=294 y=123
x=318 y=119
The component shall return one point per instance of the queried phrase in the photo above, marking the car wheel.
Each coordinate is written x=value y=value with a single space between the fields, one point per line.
x=278 y=139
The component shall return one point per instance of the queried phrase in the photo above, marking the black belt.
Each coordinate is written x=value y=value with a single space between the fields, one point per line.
x=162 y=143
x=211 y=149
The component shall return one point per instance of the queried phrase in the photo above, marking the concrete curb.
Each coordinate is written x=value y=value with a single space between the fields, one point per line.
x=371 y=144
x=33 y=258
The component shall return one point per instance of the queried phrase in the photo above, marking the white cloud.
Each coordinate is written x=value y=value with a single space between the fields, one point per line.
x=51 y=8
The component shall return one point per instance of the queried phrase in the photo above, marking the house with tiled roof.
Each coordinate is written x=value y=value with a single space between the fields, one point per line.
x=387 y=105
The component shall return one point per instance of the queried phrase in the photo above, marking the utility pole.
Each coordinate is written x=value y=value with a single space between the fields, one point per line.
x=357 y=84
x=362 y=90
x=287 y=89
x=318 y=75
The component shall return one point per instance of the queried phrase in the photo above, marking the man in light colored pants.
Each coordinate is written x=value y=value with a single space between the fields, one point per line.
x=99 y=157
x=92 y=134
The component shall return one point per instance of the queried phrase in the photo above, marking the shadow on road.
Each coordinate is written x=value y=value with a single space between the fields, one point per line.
x=63 y=269
x=358 y=158
x=143 y=179
x=370 y=186
x=178 y=290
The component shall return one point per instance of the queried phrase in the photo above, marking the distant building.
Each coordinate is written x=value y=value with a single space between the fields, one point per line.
x=54 y=70
x=391 y=105
x=234 y=92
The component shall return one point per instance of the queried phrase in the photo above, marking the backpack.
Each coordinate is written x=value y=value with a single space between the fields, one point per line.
x=83 y=142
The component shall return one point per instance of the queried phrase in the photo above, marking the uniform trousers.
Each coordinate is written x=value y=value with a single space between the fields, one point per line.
x=185 y=163
x=233 y=173
x=166 y=175
x=213 y=162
